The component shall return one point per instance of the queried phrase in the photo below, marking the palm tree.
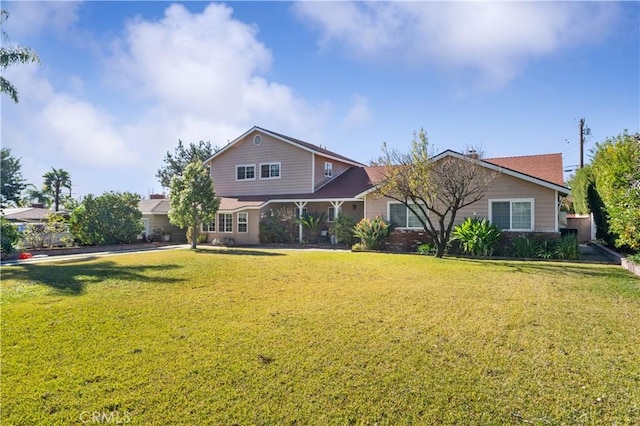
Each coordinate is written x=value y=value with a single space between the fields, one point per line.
x=10 y=55
x=33 y=195
x=54 y=182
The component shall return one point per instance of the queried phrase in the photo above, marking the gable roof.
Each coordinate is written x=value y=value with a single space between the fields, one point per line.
x=535 y=167
x=545 y=166
x=156 y=206
x=316 y=149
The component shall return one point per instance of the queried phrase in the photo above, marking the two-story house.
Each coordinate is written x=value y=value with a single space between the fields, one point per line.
x=262 y=170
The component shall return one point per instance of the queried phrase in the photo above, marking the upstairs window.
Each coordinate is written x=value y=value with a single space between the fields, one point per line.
x=270 y=171
x=247 y=172
x=512 y=215
x=328 y=169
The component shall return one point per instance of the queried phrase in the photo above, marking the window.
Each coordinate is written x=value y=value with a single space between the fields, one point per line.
x=257 y=140
x=328 y=169
x=512 y=215
x=331 y=214
x=243 y=222
x=245 y=172
x=225 y=222
x=402 y=217
x=270 y=171
x=209 y=227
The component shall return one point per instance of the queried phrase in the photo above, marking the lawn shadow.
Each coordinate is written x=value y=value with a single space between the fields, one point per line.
x=71 y=277
x=609 y=271
x=238 y=252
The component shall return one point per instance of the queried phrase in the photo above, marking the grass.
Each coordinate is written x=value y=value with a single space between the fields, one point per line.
x=284 y=337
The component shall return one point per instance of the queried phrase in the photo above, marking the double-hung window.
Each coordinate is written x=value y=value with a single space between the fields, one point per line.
x=243 y=222
x=225 y=222
x=328 y=169
x=512 y=215
x=209 y=227
x=403 y=217
x=270 y=171
x=246 y=172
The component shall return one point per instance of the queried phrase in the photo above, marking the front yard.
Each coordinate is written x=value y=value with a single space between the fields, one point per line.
x=308 y=337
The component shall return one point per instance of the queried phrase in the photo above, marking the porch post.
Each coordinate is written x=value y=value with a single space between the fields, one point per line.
x=337 y=205
x=300 y=205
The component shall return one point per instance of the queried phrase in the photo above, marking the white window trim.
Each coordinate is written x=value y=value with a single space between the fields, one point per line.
x=246 y=222
x=219 y=223
x=511 y=201
x=389 y=203
x=202 y=225
x=245 y=165
x=335 y=215
x=328 y=171
x=270 y=164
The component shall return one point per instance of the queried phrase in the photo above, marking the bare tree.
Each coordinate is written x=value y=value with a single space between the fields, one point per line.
x=433 y=188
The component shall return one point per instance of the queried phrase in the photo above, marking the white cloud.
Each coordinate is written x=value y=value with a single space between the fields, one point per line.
x=359 y=112
x=27 y=18
x=188 y=76
x=494 y=38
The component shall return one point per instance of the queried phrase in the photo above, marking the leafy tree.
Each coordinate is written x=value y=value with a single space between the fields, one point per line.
x=192 y=199
x=10 y=55
x=616 y=167
x=175 y=164
x=111 y=218
x=11 y=179
x=434 y=191
x=579 y=184
x=54 y=181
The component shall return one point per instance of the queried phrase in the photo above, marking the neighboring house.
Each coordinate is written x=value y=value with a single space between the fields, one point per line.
x=263 y=170
x=155 y=217
x=36 y=217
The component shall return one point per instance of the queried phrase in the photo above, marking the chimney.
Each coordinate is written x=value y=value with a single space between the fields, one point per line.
x=472 y=153
x=157 y=197
x=37 y=205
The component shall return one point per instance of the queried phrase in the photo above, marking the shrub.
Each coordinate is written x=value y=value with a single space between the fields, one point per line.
x=567 y=248
x=9 y=235
x=45 y=235
x=342 y=229
x=479 y=237
x=278 y=226
x=427 y=248
x=524 y=247
x=634 y=258
x=373 y=233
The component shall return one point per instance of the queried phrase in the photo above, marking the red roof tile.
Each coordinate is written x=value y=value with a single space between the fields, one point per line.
x=545 y=166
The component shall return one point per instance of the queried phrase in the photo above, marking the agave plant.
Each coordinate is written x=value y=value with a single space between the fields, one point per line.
x=372 y=232
x=479 y=237
x=313 y=222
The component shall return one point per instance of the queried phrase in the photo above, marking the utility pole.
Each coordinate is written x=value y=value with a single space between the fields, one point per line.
x=583 y=131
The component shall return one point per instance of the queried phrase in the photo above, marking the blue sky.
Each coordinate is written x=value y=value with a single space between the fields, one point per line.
x=120 y=82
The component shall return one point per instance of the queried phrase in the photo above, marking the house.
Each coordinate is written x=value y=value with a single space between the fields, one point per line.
x=155 y=217
x=262 y=170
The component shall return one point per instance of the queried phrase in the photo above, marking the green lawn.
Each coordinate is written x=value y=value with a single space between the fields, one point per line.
x=267 y=337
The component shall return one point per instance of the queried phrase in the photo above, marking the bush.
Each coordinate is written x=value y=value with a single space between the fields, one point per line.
x=567 y=248
x=278 y=226
x=373 y=233
x=342 y=229
x=53 y=233
x=427 y=248
x=524 y=247
x=9 y=235
x=634 y=258
x=479 y=237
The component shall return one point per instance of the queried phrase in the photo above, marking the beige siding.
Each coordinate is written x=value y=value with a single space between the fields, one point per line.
x=251 y=237
x=295 y=168
x=503 y=188
x=338 y=168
